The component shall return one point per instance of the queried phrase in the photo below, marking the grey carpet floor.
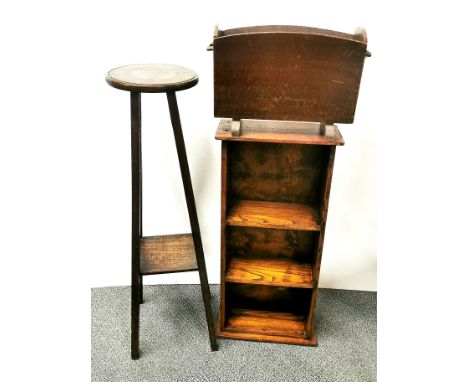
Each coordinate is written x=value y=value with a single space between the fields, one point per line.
x=174 y=342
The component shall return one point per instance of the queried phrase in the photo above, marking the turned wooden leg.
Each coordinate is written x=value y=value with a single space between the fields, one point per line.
x=190 y=200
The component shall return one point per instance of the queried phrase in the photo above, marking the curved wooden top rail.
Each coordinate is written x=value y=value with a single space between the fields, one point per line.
x=292 y=29
x=152 y=78
x=284 y=72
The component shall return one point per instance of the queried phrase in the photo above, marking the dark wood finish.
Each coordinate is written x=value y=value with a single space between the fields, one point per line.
x=135 y=107
x=287 y=73
x=324 y=209
x=319 y=249
x=269 y=242
x=190 y=200
x=141 y=289
x=141 y=210
x=267 y=297
x=276 y=172
x=264 y=243
x=167 y=254
x=266 y=313
x=152 y=78
x=170 y=253
x=306 y=133
x=224 y=192
x=276 y=272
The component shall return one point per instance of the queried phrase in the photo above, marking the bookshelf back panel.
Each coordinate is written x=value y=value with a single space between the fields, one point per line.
x=271 y=298
x=271 y=243
x=276 y=171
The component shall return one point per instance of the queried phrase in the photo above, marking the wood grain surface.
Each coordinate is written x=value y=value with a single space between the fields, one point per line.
x=246 y=336
x=275 y=272
x=254 y=213
x=287 y=73
x=271 y=243
x=167 y=254
x=265 y=322
x=276 y=172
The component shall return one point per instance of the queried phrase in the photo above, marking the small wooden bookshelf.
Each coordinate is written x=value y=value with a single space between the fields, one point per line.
x=274 y=202
x=276 y=170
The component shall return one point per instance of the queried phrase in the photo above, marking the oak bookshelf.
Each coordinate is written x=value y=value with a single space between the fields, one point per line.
x=276 y=170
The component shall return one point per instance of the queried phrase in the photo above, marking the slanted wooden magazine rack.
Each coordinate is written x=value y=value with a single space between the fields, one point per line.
x=282 y=88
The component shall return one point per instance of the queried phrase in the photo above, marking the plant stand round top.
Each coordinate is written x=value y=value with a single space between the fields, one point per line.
x=152 y=78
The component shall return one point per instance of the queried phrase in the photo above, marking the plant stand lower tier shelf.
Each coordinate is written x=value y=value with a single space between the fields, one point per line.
x=276 y=179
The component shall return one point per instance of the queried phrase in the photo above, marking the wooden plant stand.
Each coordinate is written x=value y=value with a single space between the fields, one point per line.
x=276 y=174
x=153 y=255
